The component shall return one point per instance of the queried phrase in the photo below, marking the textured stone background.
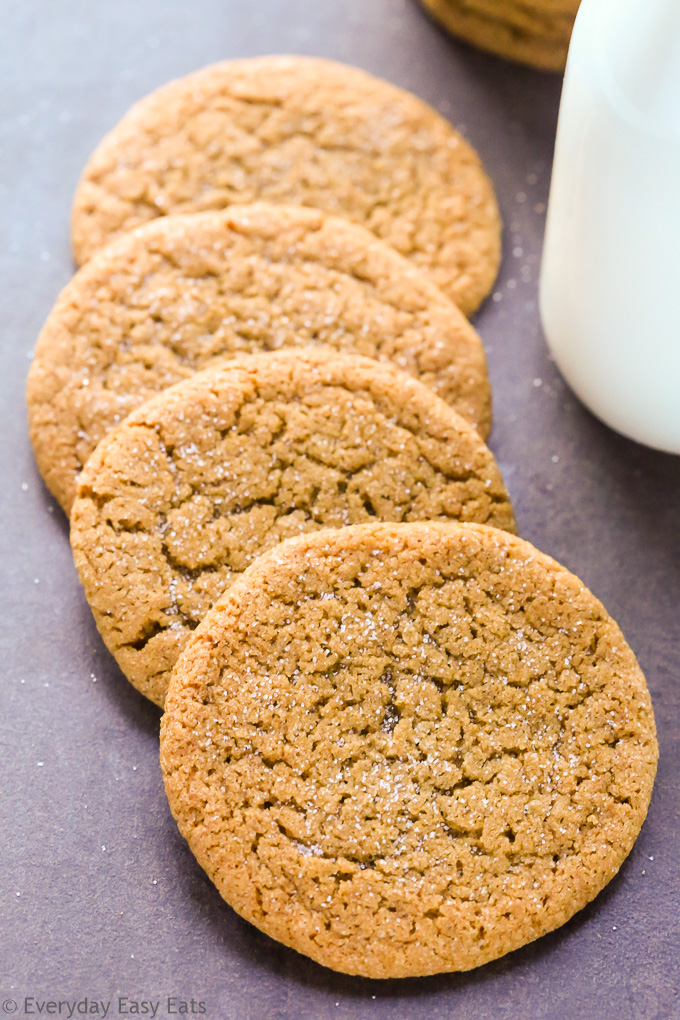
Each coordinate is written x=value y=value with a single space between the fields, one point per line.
x=100 y=897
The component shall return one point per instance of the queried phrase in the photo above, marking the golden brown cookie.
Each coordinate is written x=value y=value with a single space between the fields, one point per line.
x=408 y=748
x=185 y=494
x=182 y=292
x=308 y=132
x=535 y=32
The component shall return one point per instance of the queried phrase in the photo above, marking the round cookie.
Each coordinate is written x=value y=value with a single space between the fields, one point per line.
x=408 y=748
x=181 y=292
x=534 y=32
x=185 y=494
x=308 y=132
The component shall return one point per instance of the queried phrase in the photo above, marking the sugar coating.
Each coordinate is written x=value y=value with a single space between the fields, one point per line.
x=180 y=293
x=304 y=131
x=408 y=748
x=182 y=497
x=535 y=32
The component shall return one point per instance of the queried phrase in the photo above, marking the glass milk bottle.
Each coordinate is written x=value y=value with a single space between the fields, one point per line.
x=610 y=278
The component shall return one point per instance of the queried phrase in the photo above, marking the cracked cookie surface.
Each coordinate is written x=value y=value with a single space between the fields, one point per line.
x=408 y=748
x=181 y=293
x=308 y=132
x=182 y=497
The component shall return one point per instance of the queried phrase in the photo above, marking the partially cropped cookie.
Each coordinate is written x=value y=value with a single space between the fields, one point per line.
x=534 y=32
x=180 y=293
x=304 y=131
x=408 y=748
x=182 y=497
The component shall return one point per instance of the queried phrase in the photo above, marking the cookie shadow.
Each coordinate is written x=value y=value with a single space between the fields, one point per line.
x=257 y=952
x=125 y=699
x=136 y=710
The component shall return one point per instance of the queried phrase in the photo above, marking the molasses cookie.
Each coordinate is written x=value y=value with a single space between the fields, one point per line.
x=182 y=292
x=408 y=748
x=535 y=32
x=182 y=497
x=308 y=132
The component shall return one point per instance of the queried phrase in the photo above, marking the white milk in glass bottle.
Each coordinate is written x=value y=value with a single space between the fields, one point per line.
x=610 y=278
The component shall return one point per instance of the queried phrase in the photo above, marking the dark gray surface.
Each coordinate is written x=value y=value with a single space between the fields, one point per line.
x=100 y=895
